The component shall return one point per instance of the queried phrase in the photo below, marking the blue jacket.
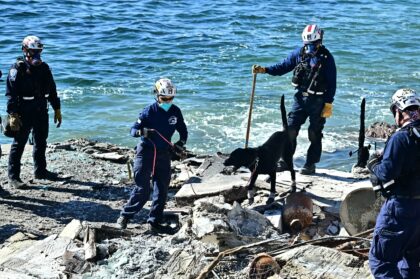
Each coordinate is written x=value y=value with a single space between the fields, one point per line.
x=165 y=122
x=328 y=70
x=399 y=168
x=30 y=88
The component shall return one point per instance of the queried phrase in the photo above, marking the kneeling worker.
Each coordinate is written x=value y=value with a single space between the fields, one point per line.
x=395 y=249
x=155 y=126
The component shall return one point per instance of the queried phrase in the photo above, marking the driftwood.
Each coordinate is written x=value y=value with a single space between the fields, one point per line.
x=316 y=241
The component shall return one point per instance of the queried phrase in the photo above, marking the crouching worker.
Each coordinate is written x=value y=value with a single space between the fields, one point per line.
x=395 y=250
x=155 y=127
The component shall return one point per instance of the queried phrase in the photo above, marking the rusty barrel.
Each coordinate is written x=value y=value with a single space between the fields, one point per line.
x=298 y=211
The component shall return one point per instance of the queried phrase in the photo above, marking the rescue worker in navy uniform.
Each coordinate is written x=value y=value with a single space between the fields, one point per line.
x=395 y=249
x=30 y=86
x=155 y=127
x=314 y=78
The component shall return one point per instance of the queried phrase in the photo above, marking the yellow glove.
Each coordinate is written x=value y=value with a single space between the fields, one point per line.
x=14 y=122
x=257 y=69
x=327 y=110
x=57 y=117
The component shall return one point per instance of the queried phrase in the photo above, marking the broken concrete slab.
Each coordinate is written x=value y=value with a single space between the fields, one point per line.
x=16 y=242
x=72 y=229
x=111 y=156
x=40 y=260
x=317 y=262
x=232 y=187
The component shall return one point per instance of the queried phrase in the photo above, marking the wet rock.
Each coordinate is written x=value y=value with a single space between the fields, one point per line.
x=380 y=130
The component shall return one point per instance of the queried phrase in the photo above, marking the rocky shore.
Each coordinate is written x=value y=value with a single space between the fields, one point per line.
x=66 y=228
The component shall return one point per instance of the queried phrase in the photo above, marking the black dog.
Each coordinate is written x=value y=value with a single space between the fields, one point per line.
x=264 y=159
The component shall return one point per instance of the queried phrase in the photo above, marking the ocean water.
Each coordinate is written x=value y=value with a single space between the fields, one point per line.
x=106 y=55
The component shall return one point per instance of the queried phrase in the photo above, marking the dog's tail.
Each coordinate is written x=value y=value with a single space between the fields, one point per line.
x=283 y=113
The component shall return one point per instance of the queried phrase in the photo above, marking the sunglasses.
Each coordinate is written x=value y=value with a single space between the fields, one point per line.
x=166 y=99
x=33 y=52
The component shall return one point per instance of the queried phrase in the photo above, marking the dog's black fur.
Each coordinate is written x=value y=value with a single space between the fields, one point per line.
x=264 y=159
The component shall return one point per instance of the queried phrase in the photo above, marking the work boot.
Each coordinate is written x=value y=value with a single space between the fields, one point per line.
x=122 y=222
x=4 y=193
x=16 y=183
x=308 y=169
x=46 y=175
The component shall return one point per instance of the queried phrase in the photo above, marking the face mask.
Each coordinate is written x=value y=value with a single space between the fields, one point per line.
x=165 y=106
x=310 y=48
x=34 y=57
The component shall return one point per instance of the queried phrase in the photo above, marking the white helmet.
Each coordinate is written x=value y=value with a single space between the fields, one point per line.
x=311 y=33
x=404 y=98
x=32 y=42
x=164 y=87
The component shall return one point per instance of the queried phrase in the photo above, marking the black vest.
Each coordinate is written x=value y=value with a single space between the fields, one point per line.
x=311 y=79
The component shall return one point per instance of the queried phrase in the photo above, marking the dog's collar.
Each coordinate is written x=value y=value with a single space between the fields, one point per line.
x=255 y=162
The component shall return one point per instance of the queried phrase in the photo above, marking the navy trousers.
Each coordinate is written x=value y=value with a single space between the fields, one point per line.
x=143 y=165
x=35 y=120
x=395 y=249
x=304 y=107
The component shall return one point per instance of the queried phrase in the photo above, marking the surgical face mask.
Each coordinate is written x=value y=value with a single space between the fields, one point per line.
x=311 y=48
x=165 y=106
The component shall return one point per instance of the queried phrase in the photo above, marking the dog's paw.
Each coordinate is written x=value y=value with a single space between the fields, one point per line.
x=250 y=201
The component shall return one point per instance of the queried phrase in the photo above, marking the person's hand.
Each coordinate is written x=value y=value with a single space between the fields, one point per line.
x=58 y=118
x=257 y=69
x=146 y=132
x=374 y=160
x=179 y=145
x=327 y=110
x=14 y=122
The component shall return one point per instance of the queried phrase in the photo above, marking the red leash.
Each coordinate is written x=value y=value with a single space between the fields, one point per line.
x=154 y=149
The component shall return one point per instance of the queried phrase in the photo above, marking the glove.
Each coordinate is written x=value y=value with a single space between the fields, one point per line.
x=327 y=110
x=179 y=145
x=374 y=160
x=257 y=69
x=146 y=132
x=57 y=117
x=14 y=122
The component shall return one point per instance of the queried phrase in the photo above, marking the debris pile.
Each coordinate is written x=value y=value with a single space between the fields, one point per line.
x=66 y=228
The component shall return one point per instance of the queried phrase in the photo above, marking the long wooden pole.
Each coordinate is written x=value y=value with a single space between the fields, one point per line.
x=251 y=104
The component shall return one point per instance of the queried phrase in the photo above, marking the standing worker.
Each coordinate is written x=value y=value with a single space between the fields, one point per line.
x=155 y=127
x=30 y=86
x=395 y=249
x=314 y=78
